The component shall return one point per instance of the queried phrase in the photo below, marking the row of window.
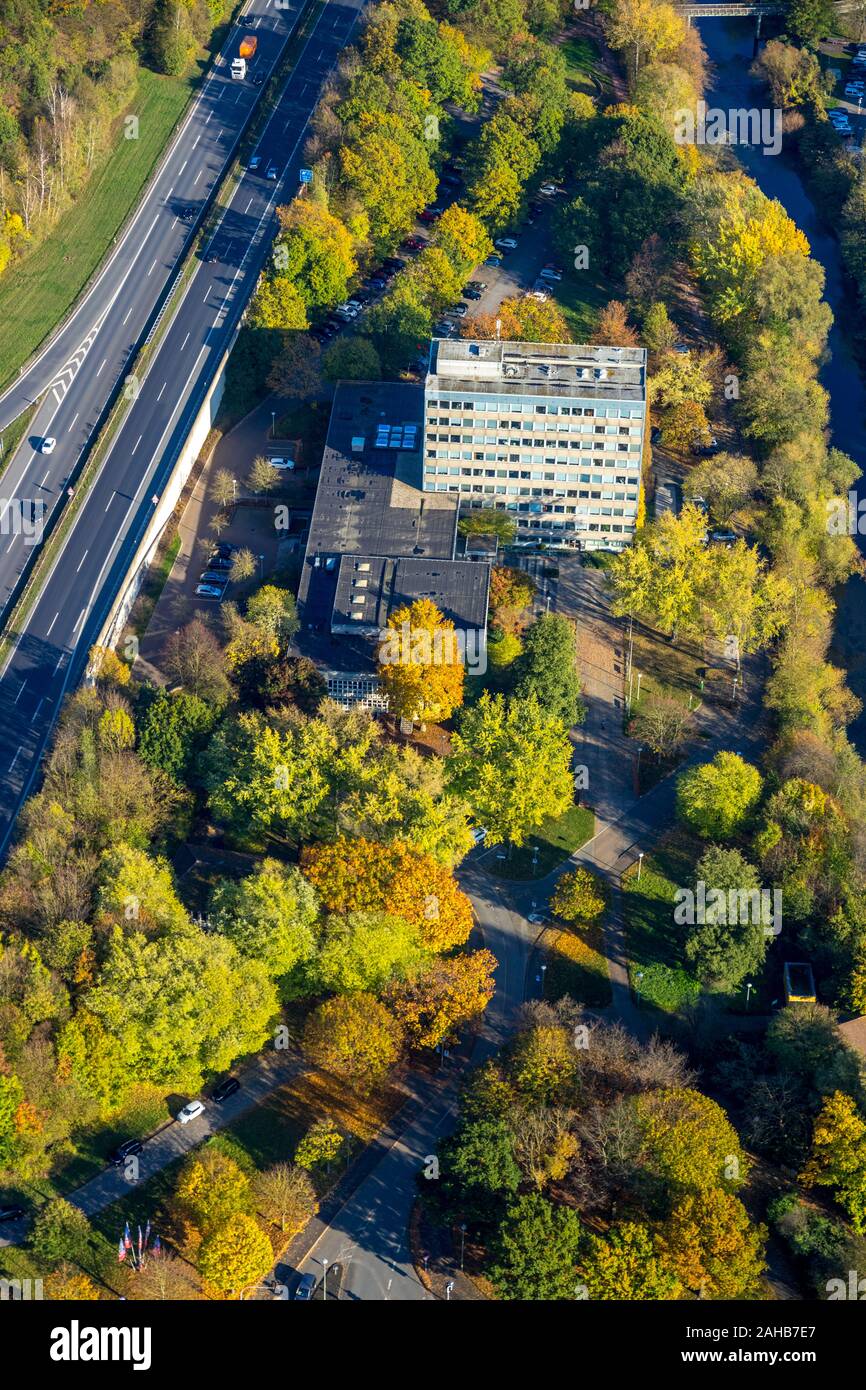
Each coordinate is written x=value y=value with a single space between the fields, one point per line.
x=514 y=407
x=532 y=475
x=551 y=427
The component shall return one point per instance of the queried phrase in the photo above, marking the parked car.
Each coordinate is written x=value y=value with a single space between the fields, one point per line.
x=472 y=294
x=506 y=243
x=306 y=1287
x=493 y=260
x=723 y=537
x=129 y=1149
x=475 y=285
x=12 y=1213
x=282 y=464
x=219 y=562
x=225 y=1089
x=708 y=450
x=191 y=1111
x=539 y=293
x=700 y=502
x=48 y=445
x=208 y=591
x=655 y=435
x=378 y=282
x=479 y=834
x=550 y=272
x=460 y=310
x=214 y=577
x=394 y=263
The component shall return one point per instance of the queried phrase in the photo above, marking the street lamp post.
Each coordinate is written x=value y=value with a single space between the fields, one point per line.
x=543 y=971
x=639 y=864
x=324 y=1281
x=462 y=1241
x=639 y=678
x=261 y=559
x=749 y=988
x=273 y=424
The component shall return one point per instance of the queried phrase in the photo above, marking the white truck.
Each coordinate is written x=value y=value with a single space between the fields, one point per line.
x=247 y=50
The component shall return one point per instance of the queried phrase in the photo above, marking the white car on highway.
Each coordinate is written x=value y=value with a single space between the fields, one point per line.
x=48 y=445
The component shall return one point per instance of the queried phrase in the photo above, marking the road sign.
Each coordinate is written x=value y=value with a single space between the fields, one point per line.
x=306 y=176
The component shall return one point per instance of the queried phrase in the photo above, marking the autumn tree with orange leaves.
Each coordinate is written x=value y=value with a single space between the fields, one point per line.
x=420 y=663
x=353 y=875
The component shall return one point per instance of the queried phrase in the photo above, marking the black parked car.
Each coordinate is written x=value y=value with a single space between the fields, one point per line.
x=225 y=1089
x=129 y=1149
x=12 y=1213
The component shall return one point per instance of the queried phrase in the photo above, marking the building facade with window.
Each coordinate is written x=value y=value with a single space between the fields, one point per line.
x=551 y=432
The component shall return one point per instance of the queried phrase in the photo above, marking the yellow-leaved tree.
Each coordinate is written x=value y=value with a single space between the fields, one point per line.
x=420 y=663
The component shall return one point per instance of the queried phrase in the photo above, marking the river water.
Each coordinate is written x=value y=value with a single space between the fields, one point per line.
x=729 y=45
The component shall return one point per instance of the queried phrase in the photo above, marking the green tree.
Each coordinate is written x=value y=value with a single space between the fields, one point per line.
x=61 y=1232
x=277 y=303
x=263 y=476
x=211 y=1188
x=715 y=798
x=478 y=1167
x=351 y=359
x=274 y=612
x=321 y=1145
x=687 y=1140
x=838 y=1156
x=365 y=951
x=547 y=668
x=811 y=20
x=138 y=889
x=664 y=574
x=172 y=730
x=536 y=1251
x=314 y=251
x=180 y=1005
x=512 y=764
x=731 y=942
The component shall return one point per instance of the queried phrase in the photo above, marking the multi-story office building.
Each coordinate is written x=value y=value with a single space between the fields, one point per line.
x=553 y=433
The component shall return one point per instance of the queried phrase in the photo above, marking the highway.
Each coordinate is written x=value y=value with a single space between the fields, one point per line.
x=50 y=650
x=77 y=372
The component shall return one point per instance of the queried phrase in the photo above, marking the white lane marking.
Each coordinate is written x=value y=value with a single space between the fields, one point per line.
x=15 y=759
x=107 y=505
x=151 y=268
x=248 y=206
x=60 y=662
x=128 y=312
x=79 y=619
x=81 y=561
x=102 y=364
x=71 y=427
x=53 y=621
x=183 y=166
x=37 y=709
x=161 y=389
x=196 y=179
x=174 y=224
x=20 y=692
x=207 y=117
x=136 y=444
x=196 y=140
x=45 y=479
x=207 y=294
x=184 y=343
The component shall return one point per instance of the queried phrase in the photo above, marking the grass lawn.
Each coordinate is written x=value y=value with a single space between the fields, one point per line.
x=576 y=966
x=654 y=942
x=582 y=65
x=666 y=668
x=11 y=437
x=153 y=586
x=555 y=840
x=35 y=294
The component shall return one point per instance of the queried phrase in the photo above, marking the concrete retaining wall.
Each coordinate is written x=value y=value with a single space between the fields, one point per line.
x=144 y=555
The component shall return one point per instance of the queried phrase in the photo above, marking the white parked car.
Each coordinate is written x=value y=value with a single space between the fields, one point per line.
x=190 y=1112
x=479 y=834
x=282 y=463
x=506 y=243
x=208 y=591
x=48 y=445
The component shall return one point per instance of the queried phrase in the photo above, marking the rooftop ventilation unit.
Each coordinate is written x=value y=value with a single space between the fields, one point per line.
x=357 y=444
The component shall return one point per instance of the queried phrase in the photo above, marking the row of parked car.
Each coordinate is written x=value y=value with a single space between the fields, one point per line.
x=214 y=579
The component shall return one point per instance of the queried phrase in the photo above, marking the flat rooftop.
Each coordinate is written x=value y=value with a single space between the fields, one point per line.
x=370 y=587
x=582 y=370
x=370 y=505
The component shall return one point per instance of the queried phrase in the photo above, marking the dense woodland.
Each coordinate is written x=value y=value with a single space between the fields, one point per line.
x=67 y=71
